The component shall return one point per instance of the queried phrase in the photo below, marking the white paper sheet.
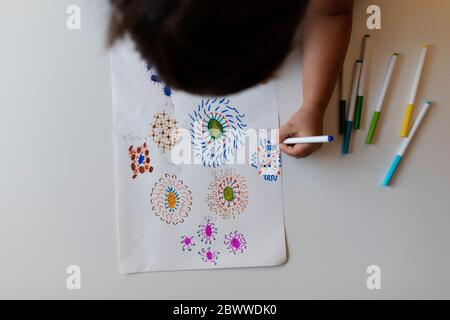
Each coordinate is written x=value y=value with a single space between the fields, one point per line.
x=193 y=216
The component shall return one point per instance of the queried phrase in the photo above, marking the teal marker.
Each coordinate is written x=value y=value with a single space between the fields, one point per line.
x=399 y=156
x=351 y=108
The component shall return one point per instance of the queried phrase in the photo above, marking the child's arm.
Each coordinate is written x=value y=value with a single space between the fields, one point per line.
x=326 y=36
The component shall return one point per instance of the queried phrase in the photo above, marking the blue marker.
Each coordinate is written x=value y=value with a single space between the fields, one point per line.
x=351 y=107
x=399 y=156
x=306 y=140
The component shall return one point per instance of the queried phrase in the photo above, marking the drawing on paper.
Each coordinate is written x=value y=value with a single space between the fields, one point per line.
x=227 y=194
x=235 y=242
x=209 y=256
x=140 y=160
x=217 y=130
x=164 y=131
x=187 y=242
x=207 y=232
x=171 y=200
x=155 y=79
x=195 y=201
x=267 y=160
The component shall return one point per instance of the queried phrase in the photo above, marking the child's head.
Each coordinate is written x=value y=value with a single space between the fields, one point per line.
x=213 y=47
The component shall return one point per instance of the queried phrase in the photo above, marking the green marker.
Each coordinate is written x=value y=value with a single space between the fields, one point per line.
x=377 y=113
x=361 y=85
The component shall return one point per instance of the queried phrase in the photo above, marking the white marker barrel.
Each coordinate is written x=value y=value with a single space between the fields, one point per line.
x=354 y=90
x=420 y=64
x=414 y=128
x=365 y=65
x=305 y=140
x=387 y=80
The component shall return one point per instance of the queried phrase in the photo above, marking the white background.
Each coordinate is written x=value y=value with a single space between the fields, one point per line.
x=57 y=204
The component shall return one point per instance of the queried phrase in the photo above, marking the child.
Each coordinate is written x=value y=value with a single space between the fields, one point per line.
x=219 y=47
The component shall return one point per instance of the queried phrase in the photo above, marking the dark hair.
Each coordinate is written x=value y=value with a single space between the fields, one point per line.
x=211 y=47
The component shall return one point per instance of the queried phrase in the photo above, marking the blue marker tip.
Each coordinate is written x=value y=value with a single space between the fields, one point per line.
x=330 y=138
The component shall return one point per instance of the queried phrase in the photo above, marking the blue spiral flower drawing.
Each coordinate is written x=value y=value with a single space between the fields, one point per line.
x=217 y=131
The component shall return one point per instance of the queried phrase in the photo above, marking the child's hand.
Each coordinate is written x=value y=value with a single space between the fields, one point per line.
x=306 y=122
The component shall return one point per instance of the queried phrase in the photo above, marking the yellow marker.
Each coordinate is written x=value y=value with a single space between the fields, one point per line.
x=409 y=109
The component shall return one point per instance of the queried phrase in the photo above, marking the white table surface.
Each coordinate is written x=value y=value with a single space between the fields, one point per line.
x=57 y=203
